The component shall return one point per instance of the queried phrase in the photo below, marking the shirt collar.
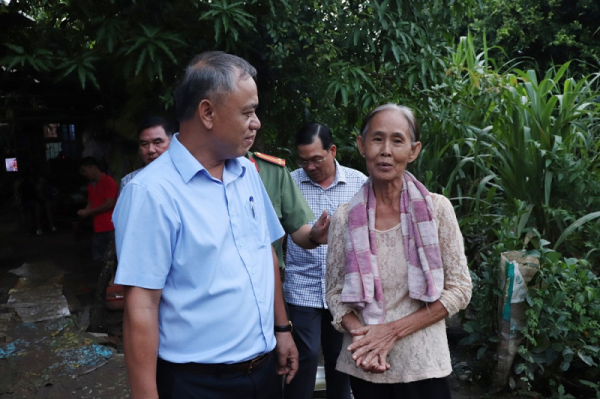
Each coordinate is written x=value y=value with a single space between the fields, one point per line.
x=188 y=166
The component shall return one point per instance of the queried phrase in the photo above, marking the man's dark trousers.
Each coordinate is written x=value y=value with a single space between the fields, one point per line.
x=313 y=330
x=262 y=383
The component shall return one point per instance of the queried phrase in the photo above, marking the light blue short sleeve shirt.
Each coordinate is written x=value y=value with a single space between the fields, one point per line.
x=207 y=244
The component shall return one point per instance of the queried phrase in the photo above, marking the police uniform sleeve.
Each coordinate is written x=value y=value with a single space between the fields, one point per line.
x=295 y=211
x=274 y=226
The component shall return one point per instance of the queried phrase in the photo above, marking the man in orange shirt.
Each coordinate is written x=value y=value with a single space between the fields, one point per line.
x=102 y=195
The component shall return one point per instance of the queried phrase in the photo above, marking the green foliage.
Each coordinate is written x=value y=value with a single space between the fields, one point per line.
x=84 y=67
x=228 y=18
x=520 y=161
x=39 y=59
x=578 y=223
x=510 y=234
x=539 y=136
x=561 y=346
x=547 y=32
x=150 y=47
x=109 y=31
x=563 y=325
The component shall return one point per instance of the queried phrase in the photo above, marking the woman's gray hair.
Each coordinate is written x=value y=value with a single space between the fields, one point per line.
x=211 y=75
x=408 y=113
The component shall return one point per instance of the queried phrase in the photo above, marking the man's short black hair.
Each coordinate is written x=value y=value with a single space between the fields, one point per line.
x=153 y=121
x=89 y=161
x=211 y=75
x=309 y=133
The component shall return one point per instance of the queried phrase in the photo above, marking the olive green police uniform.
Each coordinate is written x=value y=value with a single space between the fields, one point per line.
x=289 y=203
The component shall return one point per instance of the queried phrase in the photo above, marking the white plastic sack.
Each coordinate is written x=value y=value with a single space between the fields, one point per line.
x=516 y=270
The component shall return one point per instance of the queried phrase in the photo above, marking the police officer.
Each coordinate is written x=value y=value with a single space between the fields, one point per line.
x=289 y=203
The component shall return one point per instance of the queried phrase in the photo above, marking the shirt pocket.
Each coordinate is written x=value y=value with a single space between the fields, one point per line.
x=257 y=225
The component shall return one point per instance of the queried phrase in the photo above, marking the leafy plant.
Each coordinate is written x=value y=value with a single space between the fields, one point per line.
x=229 y=19
x=38 y=58
x=538 y=146
x=146 y=44
x=563 y=325
x=83 y=66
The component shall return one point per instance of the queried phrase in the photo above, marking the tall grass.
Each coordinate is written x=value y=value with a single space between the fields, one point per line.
x=495 y=137
x=517 y=153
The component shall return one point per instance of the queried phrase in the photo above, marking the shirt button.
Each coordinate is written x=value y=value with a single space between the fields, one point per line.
x=241 y=244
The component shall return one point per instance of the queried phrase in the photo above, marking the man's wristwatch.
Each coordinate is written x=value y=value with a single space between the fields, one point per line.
x=287 y=328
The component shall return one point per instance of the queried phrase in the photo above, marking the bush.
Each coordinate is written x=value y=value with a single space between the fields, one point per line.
x=560 y=353
x=562 y=336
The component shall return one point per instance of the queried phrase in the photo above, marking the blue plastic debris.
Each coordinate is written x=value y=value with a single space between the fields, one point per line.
x=13 y=348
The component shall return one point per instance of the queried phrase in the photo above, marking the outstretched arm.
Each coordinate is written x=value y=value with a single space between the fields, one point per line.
x=318 y=233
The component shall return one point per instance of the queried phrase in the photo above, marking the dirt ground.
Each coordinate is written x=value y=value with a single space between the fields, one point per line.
x=104 y=378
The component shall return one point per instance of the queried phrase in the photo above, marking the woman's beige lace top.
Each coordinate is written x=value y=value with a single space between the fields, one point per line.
x=425 y=353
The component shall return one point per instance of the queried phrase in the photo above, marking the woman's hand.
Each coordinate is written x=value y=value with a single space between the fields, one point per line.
x=371 y=345
x=370 y=352
x=376 y=364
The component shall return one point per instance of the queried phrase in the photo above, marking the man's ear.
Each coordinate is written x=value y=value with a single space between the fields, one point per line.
x=206 y=112
x=333 y=150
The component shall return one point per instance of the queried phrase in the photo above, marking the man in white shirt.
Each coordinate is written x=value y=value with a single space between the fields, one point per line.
x=326 y=185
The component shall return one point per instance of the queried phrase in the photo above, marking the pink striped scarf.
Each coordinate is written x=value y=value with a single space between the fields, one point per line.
x=362 y=283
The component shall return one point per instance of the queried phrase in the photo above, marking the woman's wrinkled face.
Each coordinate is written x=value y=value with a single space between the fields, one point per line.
x=387 y=146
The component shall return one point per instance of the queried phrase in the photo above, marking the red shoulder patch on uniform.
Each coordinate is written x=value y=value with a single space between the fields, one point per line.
x=254 y=163
x=269 y=158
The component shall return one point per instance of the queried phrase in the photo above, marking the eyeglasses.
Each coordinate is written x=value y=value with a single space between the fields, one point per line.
x=315 y=161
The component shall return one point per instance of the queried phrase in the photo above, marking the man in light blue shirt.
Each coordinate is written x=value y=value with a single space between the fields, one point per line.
x=193 y=233
x=326 y=185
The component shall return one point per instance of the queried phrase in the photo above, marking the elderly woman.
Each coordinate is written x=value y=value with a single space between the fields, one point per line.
x=395 y=269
